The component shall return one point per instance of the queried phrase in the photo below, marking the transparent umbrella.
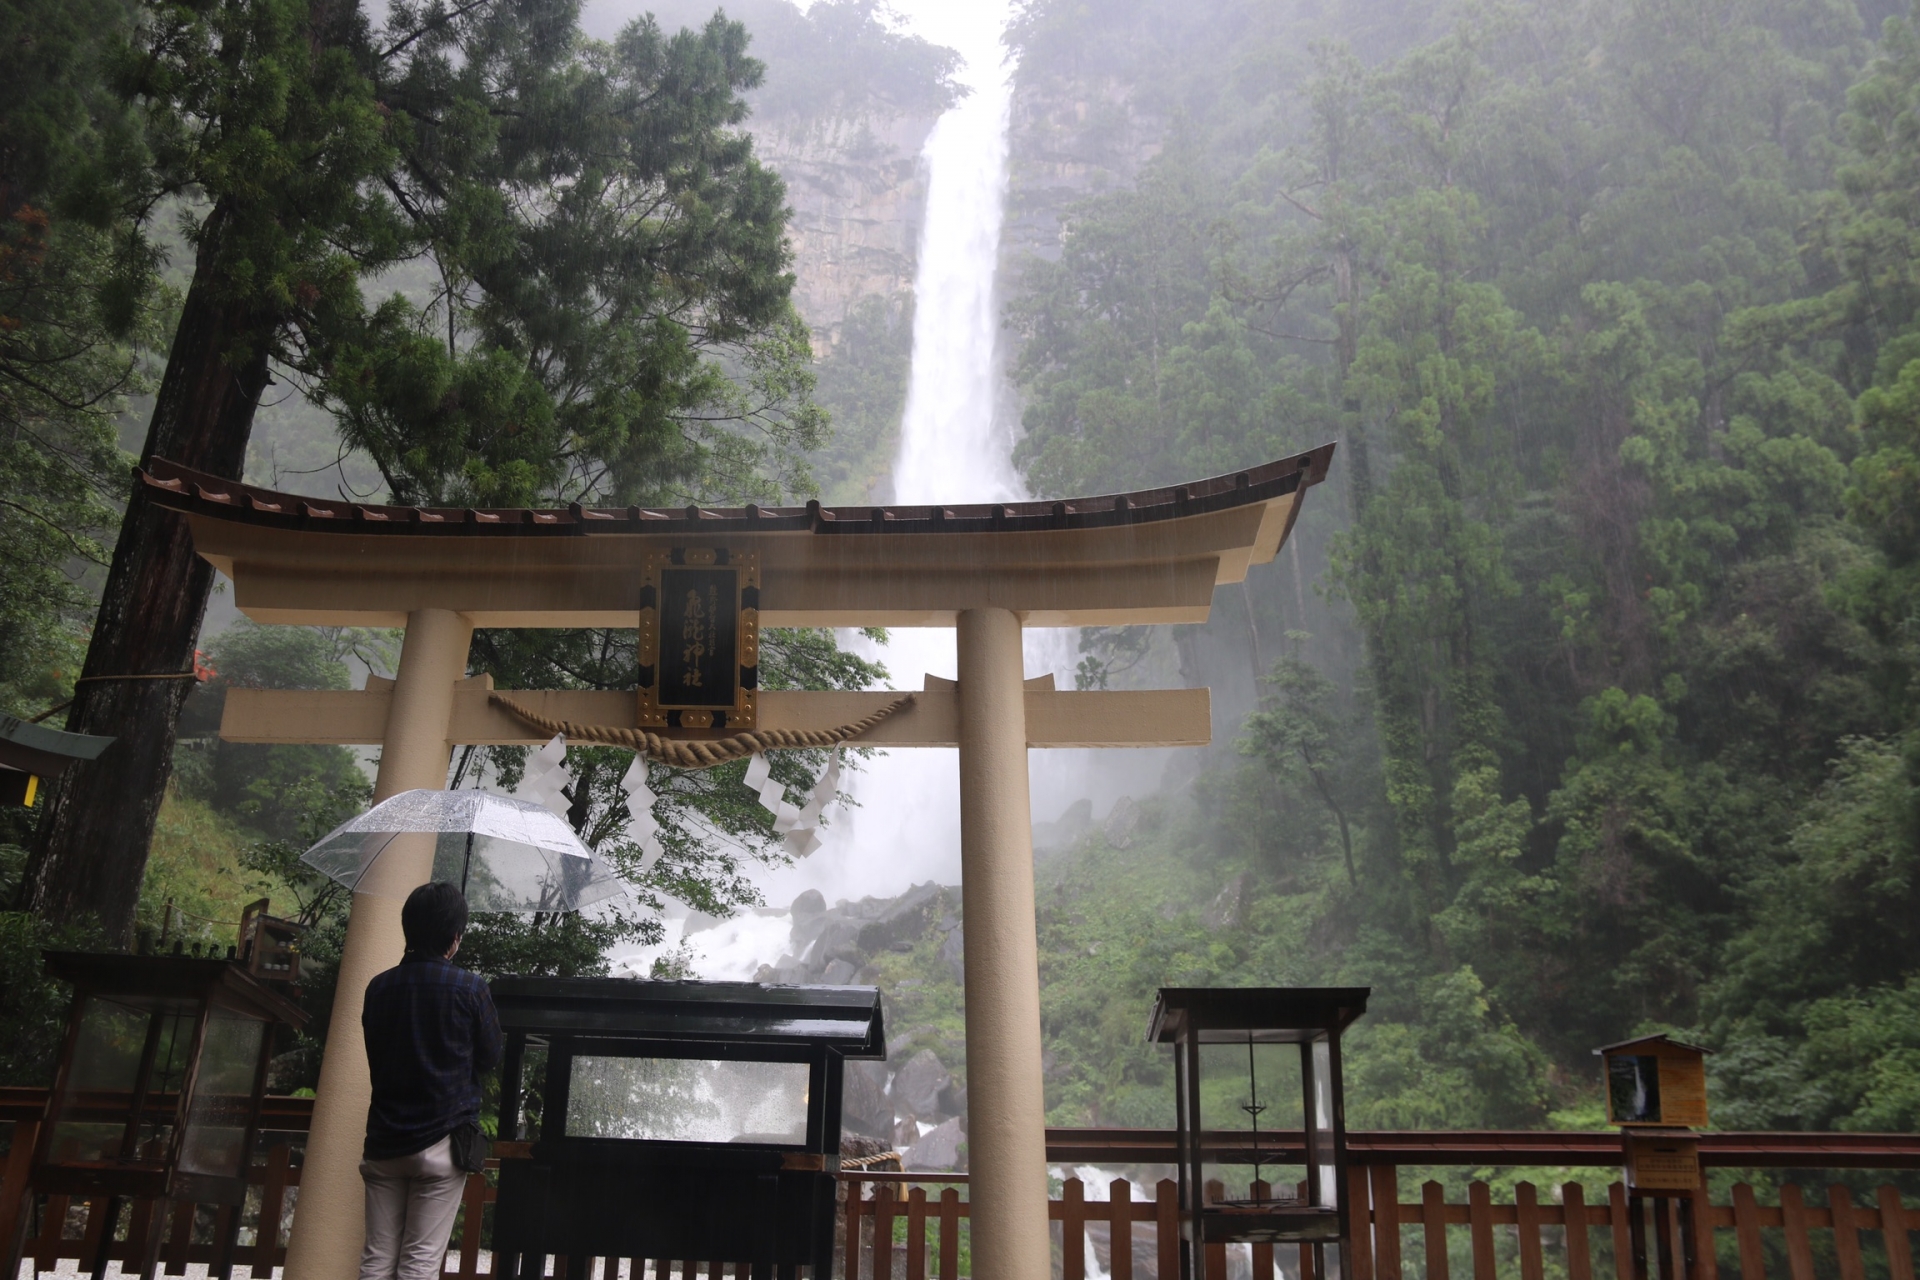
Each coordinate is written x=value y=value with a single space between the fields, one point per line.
x=506 y=854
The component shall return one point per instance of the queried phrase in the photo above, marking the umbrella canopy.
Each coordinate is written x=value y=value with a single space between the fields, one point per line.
x=506 y=854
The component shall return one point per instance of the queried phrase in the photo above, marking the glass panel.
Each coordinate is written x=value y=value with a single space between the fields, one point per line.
x=105 y=1076
x=688 y=1100
x=1231 y=1080
x=1246 y=1088
x=107 y=1053
x=1326 y=1184
x=75 y=1141
x=223 y=1094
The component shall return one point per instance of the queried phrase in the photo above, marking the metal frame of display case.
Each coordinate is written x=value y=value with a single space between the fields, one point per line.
x=1312 y=1017
x=767 y=1203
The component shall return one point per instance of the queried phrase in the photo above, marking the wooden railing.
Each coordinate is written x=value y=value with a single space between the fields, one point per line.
x=913 y=1226
x=88 y=1231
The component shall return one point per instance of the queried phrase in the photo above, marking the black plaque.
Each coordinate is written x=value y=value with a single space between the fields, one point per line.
x=699 y=624
x=699 y=639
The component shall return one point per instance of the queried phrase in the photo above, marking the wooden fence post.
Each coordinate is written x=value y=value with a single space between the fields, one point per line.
x=53 y=1228
x=1706 y=1253
x=1573 y=1201
x=1167 y=1230
x=1846 y=1233
x=883 y=1214
x=16 y=1201
x=855 y=1191
x=1073 y=1231
x=1263 y=1252
x=273 y=1192
x=1120 y=1229
x=1215 y=1255
x=98 y=1235
x=917 y=1234
x=1893 y=1231
x=1526 y=1209
x=473 y=1219
x=1360 y=1254
x=1386 y=1221
x=1433 y=1217
x=1480 y=1227
x=950 y=1235
x=1617 y=1206
x=1793 y=1216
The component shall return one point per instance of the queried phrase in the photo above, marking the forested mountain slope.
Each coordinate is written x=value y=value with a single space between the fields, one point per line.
x=1589 y=700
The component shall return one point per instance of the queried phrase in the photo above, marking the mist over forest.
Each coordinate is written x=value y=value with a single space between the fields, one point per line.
x=1581 y=704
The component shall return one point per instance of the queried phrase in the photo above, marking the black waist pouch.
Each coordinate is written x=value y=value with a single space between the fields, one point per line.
x=469 y=1148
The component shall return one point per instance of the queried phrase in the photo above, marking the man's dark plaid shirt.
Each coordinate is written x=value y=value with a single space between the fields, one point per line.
x=431 y=1034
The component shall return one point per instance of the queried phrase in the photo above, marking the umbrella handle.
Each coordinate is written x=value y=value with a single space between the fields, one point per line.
x=466 y=868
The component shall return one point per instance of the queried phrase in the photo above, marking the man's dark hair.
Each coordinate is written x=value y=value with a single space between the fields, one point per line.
x=433 y=919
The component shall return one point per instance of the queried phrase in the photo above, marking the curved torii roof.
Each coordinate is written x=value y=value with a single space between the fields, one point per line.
x=1150 y=556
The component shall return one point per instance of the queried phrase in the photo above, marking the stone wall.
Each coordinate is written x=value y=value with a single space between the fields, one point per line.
x=858 y=192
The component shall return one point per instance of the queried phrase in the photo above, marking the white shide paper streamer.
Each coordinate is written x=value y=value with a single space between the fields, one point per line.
x=643 y=828
x=800 y=825
x=546 y=777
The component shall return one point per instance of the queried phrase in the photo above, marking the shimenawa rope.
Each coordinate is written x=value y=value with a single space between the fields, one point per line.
x=684 y=753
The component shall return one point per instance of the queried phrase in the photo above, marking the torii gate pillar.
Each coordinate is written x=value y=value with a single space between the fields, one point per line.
x=1006 y=1109
x=415 y=753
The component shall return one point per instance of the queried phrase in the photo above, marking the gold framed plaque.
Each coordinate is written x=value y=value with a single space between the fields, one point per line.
x=699 y=639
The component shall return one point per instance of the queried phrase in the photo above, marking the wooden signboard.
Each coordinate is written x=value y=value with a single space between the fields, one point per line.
x=699 y=639
x=1662 y=1161
x=1656 y=1081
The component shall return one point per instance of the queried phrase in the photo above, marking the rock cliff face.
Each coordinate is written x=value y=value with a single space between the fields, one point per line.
x=913 y=1101
x=858 y=192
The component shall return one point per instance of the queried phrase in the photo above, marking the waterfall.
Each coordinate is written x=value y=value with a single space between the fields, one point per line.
x=956 y=444
x=951 y=447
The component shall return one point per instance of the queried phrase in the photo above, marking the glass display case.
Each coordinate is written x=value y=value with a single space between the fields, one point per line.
x=1259 y=1122
x=673 y=1120
x=160 y=1079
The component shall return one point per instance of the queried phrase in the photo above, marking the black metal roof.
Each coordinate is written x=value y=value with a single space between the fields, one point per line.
x=746 y=1013
x=1273 y=1015
x=155 y=978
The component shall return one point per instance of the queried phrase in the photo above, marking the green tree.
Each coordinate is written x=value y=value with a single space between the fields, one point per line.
x=76 y=304
x=600 y=239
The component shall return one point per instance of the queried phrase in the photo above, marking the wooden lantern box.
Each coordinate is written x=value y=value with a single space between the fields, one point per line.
x=160 y=1079
x=1216 y=1033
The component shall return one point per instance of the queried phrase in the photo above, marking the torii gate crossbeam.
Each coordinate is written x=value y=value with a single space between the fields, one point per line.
x=1148 y=557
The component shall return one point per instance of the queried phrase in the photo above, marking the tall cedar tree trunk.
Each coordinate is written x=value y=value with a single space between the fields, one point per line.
x=90 y=850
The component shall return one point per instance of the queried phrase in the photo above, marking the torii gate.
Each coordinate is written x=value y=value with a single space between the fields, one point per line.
x=1147 y=557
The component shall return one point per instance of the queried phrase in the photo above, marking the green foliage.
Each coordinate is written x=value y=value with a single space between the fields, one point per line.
x=832 y=58
x=76 y=295
x=863 y=378
x=204 y=864
x=278 y=791
x=1607 y=722
x=609 y=320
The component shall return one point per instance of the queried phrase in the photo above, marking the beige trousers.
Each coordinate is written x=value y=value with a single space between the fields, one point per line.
x=411 y=1203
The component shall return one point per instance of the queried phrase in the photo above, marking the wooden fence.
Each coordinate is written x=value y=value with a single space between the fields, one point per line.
x=912 y=1226
x=905 y=1233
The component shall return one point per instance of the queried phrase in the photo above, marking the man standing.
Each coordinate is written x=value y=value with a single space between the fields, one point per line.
x=431 y=1034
